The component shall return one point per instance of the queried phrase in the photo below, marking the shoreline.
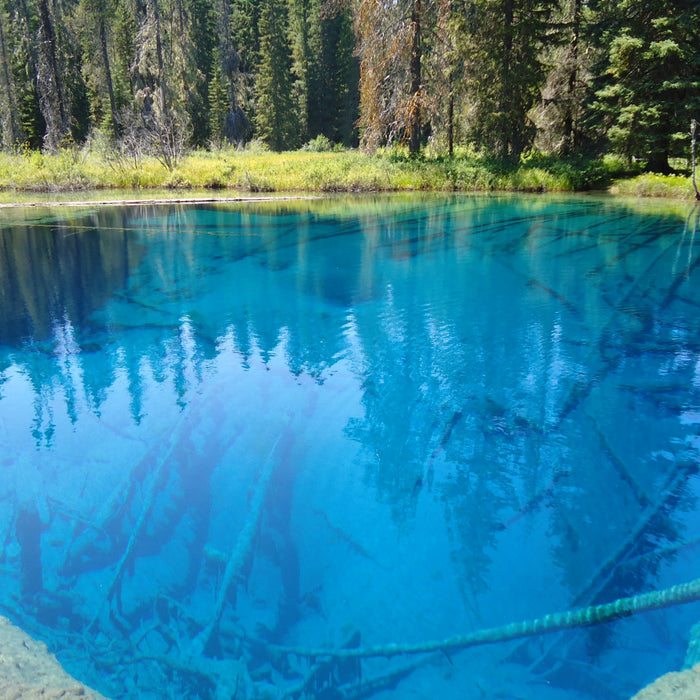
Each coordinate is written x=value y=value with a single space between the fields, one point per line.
x=675 y=685
x=28 y=670
x=153 y=201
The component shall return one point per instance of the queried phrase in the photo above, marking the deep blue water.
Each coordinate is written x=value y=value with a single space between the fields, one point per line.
x=230 y=429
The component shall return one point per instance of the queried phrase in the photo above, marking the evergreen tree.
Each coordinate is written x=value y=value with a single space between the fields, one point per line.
x=500 y=43
x=32 y=124
x=444 y=71
x=276 y=120
x=334 y=95
x=561 y=115
x=54 y=100
x=9 y=116
x=218 y=102
x=304 y=24
x=236 y=28
x=650 y=81
x=202 y=36
x=124 y=28
x=240 y=63
x=93 y=19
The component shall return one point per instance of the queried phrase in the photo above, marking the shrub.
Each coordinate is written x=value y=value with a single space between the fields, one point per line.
x=321 y=144
x=256 y=146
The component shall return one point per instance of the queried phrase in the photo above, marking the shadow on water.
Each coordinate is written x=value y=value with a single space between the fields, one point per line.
x=230 y=430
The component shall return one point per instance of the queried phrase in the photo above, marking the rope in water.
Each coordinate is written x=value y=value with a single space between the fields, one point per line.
x=583 y=617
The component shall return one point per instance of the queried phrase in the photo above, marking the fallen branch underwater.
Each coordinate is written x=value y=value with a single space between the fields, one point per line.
x=582 y=617
x=149 y=497
x=242 y=547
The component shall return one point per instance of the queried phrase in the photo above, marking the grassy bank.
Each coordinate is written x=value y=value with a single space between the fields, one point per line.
x=344 y=171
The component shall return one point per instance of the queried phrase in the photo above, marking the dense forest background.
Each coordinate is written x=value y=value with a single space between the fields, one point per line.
x=498 y=76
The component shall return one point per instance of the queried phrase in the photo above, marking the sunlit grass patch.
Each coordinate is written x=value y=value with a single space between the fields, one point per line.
x=654 y=185
x=258 y=170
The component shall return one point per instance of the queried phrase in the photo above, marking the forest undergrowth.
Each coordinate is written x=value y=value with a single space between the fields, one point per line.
x=256 y=170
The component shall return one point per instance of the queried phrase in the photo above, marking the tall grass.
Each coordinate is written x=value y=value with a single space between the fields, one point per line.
x=314 y=170
x=653 y=185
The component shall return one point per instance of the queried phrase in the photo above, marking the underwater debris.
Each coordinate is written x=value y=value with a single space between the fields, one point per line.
x=445 y=438
x=692 y=655
x=28 y=529
x=243 y=545
x=349 y=541
x=328 y=674
x=582 y=617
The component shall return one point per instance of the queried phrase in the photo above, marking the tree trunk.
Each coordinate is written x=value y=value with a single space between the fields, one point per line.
x=570 y=131
x=50 y=83
x=13 y=137
x=658 y=163
x=506 y=137
x=415 y=115
x=226 y=50
x=108 y=75
x=693 y=129
x=451 y=125
x=159 y=58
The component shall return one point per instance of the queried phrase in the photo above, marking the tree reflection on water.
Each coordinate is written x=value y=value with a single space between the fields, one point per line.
x=227 y=428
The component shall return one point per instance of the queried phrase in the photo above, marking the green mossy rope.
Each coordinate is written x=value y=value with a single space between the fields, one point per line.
x=583 y=617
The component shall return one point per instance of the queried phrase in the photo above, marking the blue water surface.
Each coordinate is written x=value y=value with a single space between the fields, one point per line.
x=236 y=435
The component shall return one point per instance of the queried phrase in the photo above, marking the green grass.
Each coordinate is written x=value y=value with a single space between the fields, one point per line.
x=653 y=185
x=256 y=170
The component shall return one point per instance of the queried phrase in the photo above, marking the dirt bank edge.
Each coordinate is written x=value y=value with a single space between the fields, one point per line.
x=29 y=671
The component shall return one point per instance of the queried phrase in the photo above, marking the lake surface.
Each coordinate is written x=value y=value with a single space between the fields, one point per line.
x=233 y=436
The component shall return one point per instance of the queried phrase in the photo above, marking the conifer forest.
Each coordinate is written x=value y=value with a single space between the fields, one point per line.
x=502 y=77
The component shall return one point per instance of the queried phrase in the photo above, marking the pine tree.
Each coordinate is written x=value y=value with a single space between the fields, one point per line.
x=240 y=63
x=500 y=43
x=276 y=120
x=202 y=39
x=92 y=20
x=124 y=28
x=304 y=39
x=236 y=24
x=218 y=102
x=334 y=95
x=650 y=88
x=54 y=98
x=9 y=117
x=32 y=124
x=561 y=115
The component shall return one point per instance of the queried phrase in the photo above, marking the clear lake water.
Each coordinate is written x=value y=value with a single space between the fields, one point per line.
x=233 y=436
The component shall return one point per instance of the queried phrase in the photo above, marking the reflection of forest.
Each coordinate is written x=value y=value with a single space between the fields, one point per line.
x=59 y=270
x=527 y=367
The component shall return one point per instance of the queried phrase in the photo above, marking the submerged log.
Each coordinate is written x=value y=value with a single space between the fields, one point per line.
x=242 y=548
x=146 y=508
x=329 y=673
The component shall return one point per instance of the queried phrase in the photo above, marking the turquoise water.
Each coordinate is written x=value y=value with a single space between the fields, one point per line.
x=230 y=430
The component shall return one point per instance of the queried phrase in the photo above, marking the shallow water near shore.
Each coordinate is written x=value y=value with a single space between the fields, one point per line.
x=234 y=432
